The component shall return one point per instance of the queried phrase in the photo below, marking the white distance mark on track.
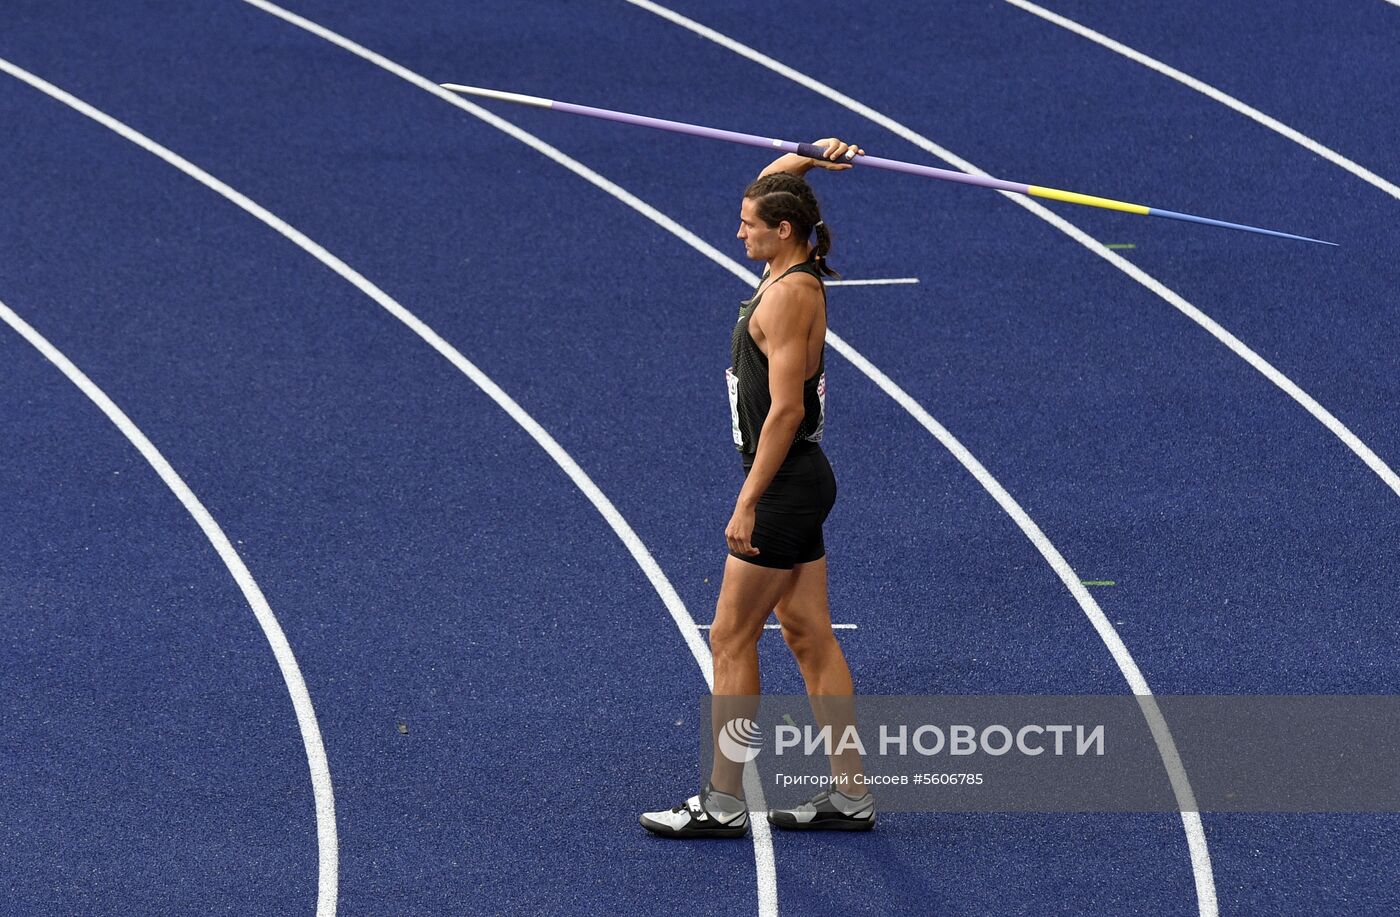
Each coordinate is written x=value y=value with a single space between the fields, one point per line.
x=780 y=627
x=281 y=650
x=1197 y=847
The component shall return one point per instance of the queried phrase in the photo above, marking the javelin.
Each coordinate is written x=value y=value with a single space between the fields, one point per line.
x=813 y=151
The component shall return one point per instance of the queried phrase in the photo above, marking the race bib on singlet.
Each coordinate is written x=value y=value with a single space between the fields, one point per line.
x=816 y=435
x=732 y=381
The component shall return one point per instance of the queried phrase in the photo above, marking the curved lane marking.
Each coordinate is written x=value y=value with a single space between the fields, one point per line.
x=1210 y=91
x=1236 y=346
x=286 y=660
x=326 y=900
x=767 y=903
x=1197 y=846
x=764 y=868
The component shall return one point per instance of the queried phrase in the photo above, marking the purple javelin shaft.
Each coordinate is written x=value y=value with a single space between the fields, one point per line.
x=813 y=151
x=809 y=150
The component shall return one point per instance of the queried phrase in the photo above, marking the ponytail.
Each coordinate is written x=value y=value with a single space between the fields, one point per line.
x=820 y=250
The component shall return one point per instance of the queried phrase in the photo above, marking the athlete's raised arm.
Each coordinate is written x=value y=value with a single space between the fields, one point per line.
x=835 y=161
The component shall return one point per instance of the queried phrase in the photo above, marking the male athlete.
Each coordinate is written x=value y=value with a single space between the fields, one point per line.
x=777 y=557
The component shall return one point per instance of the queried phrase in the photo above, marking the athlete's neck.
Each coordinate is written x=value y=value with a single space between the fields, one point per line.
x=787 y=259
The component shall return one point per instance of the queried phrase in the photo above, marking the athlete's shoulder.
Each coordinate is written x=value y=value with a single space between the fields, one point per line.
x=791 y=303
x=799 y=286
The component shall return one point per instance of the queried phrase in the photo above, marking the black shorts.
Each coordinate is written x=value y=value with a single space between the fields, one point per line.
x=787 y=526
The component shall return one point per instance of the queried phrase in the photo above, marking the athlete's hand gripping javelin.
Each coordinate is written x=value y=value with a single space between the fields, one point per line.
x=838 y=154
x=837 y=158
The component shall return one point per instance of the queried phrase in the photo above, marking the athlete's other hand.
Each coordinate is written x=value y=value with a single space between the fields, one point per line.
x=739 y=531
x=836 y=154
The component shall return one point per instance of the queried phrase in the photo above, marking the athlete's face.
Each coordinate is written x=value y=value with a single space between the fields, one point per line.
x=761 y=241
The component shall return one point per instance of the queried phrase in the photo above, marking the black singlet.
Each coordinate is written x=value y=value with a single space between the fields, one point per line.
x=749 y=396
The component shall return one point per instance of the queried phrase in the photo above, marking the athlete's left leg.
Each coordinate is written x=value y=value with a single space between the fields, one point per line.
x=805 y=615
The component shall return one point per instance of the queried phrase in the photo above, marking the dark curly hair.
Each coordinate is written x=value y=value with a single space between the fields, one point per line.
x=784 y=196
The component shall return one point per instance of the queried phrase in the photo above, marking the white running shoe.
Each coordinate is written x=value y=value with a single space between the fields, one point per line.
x=693 y=819
x=822 y=813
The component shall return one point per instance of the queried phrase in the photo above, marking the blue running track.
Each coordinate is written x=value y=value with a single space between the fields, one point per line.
x=499 y=686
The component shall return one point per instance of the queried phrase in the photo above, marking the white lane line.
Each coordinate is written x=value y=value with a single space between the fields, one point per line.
x=767 y=880
x=1210 y=91
x=281 y=650
x=1197 y=846
x=1236 y=346
x=780 y=627
x=764 y=868
x=326 y=902
x=869 y=283
x=306 y=716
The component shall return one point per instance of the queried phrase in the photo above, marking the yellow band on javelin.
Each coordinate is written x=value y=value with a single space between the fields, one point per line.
x=1069 y=197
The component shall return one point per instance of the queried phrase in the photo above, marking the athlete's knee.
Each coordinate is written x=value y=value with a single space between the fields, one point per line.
x=728 y=639
x=808 y=641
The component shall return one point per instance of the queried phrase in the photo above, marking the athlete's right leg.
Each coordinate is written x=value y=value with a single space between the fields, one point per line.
x=747 y=596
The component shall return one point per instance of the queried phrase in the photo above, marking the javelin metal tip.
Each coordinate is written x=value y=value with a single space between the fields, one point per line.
x=515 y=97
